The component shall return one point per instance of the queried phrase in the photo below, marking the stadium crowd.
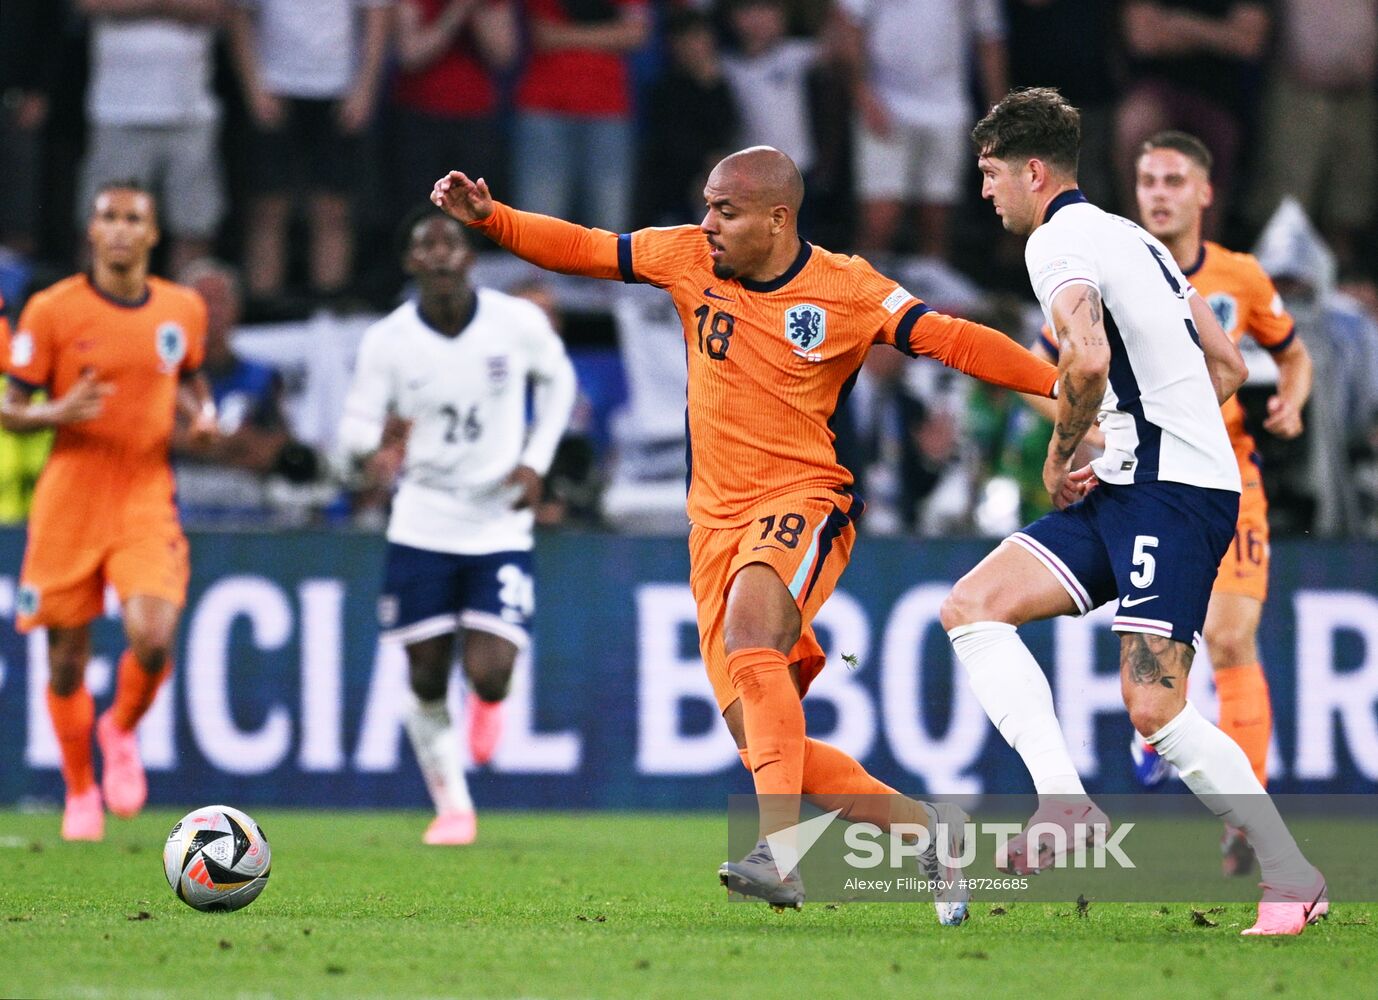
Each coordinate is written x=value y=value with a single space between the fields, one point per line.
x=288 y=137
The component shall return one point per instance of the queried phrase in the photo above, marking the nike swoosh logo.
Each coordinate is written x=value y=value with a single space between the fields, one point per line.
x=760 y=547
x=708 y=292
x=1129 y=602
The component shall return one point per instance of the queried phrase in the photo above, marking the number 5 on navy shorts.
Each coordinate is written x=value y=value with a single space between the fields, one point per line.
x=1156 y=546
x=426 y=594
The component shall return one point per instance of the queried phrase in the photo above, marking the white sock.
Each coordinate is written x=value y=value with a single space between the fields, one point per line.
x=1015 y=694
x=437 y=752
x=1217 y=770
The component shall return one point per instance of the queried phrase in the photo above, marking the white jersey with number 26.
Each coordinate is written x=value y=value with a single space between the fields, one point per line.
x=1160 y=416
x=466 y=399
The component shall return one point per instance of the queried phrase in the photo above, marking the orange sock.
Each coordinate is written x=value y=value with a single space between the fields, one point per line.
x=135 y=690
x=1246 y=715
x=834 y=780
x=73 y=716
x=774 y=722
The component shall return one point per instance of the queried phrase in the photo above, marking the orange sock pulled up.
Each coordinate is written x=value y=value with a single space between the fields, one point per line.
x=135 y=689
x=774 y=722
x=1246 y=715
x=834 y=780
x=73 y=717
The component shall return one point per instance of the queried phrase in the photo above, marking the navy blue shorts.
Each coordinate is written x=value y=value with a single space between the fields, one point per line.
x=426 y=594
x=1156 y=546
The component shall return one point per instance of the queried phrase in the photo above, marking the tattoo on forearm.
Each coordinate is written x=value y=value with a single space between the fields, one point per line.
x=1079 y=398
x=1151 y=659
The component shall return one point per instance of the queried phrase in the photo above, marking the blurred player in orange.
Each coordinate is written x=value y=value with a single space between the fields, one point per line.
x=776 y=330
x=117 y=351
x=1174 y=191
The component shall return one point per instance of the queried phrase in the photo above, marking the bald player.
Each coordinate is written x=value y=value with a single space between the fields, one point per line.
x=776 y=330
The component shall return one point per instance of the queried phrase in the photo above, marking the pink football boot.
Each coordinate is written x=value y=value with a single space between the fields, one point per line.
x=1279 y=915
x=122 y=780
x=456 y=828
x=1079 y=817
x=83 y=818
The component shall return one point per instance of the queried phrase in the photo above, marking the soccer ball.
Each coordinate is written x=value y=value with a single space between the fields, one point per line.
x=216 y=858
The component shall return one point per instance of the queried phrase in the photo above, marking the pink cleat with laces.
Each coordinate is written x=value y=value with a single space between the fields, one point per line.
x=452 y=829
x=123 y=780
x=1281 y=913
x=1078 y=818
x=83 y=818
x=485 y=727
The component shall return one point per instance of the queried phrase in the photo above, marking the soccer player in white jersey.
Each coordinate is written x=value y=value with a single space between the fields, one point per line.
x=454 y=366
x=1147 y=523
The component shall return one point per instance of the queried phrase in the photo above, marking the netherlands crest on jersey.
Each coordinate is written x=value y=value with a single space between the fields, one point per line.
x=172 y=345
x=1226 y=310
x=806 y=326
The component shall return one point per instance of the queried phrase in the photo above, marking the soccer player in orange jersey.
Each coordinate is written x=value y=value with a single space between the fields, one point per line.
x=117 y=351
x=1174 y=191
x=776 y=331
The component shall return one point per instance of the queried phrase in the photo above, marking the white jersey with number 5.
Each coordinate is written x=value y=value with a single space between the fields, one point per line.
x=466 y=399
x=1160 y=416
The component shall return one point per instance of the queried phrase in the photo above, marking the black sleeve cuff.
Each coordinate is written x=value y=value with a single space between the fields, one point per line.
x=624 y=259
x=1284 y=343
x=24 y=384
x=906 y=326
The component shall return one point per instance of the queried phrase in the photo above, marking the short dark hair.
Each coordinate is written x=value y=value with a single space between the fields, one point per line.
x=126 y=184
x=422 y=212
x=1034 y=123
x=1181 y=142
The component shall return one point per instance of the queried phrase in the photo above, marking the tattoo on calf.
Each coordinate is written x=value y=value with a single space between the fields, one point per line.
x=1152 y=659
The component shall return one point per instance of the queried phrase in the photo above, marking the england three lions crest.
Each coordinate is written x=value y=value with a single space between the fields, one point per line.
x=497 y=372
x=806 y=326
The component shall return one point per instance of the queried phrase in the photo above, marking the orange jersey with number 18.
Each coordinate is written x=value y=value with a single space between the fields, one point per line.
x=771 y=362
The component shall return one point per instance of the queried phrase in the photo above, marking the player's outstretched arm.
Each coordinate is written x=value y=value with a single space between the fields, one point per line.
x=981 y=352
x=467 y=200
x=1223 y=360
x=547 y=242
x=19 y=414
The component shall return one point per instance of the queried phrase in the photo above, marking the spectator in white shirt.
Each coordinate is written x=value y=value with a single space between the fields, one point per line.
x=311 y=71
x=153 y=115
x=913 y=109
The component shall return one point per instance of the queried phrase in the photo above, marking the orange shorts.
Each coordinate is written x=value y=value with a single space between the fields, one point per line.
x=63 y=584
x=806 y=538
x=1244 y=570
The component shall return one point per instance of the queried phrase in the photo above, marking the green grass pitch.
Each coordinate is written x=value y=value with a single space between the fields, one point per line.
x=579 y=905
